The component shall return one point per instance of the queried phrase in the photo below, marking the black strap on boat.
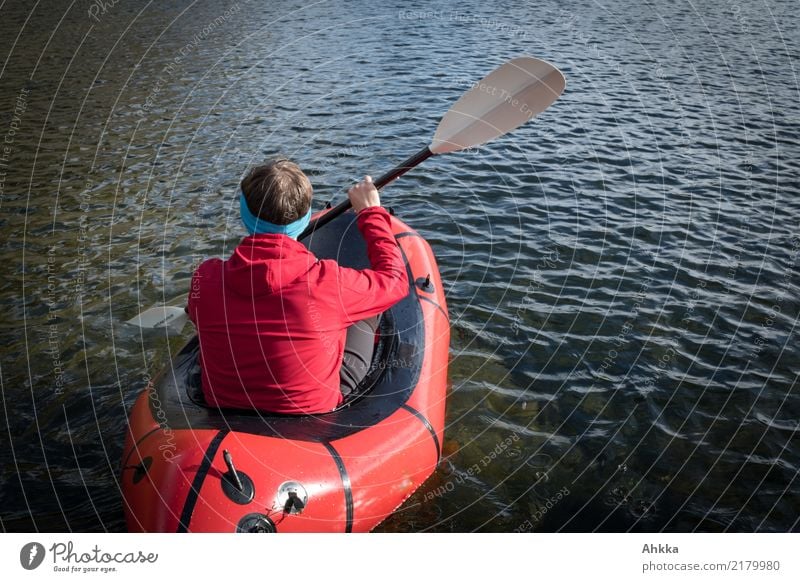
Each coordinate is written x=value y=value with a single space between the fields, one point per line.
x=135 y=447
x=428 y=425
x=197 y=483
x=348 y=491
x=439 y=307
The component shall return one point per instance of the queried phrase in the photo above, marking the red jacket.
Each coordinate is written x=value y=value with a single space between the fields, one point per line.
x=272 y=319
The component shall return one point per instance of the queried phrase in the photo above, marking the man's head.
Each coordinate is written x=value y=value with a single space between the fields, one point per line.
x=277 y=191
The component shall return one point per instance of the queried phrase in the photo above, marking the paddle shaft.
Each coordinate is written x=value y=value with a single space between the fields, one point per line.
x=389 y=176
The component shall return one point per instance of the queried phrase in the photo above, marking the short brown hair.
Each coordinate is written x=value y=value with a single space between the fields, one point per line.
x=277 y=191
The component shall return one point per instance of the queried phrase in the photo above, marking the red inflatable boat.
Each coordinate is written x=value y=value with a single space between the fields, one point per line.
x=188 y=467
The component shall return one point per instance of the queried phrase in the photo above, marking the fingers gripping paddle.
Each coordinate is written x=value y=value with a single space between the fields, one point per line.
x=500 y=102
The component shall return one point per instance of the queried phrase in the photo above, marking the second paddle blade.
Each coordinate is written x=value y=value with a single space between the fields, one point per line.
x=173 y=318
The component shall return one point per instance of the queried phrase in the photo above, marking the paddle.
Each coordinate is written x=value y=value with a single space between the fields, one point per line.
x=500 y=102
x=161 y=316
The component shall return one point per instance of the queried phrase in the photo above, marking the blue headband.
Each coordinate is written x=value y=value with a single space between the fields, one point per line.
x=256 y=225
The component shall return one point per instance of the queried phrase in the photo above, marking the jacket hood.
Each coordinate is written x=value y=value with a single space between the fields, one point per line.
x=266 y=263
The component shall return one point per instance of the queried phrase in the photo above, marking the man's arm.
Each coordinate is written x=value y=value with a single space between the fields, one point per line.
x=371 y=291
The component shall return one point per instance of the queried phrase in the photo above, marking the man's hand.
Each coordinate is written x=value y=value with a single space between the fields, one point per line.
x=364 y=195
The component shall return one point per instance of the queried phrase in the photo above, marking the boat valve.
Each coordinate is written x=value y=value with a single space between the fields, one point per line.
x=236 y=485
x=256 y=523
x=292 y=497
x=425 y=284
x=294 y=503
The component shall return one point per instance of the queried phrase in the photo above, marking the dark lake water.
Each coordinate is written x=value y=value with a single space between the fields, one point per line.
x=622 y=274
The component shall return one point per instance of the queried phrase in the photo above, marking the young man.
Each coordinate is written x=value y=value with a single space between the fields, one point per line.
x=273 y=319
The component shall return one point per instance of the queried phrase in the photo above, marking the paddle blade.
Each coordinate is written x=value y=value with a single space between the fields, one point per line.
x=502 y=101
x=173 y=318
